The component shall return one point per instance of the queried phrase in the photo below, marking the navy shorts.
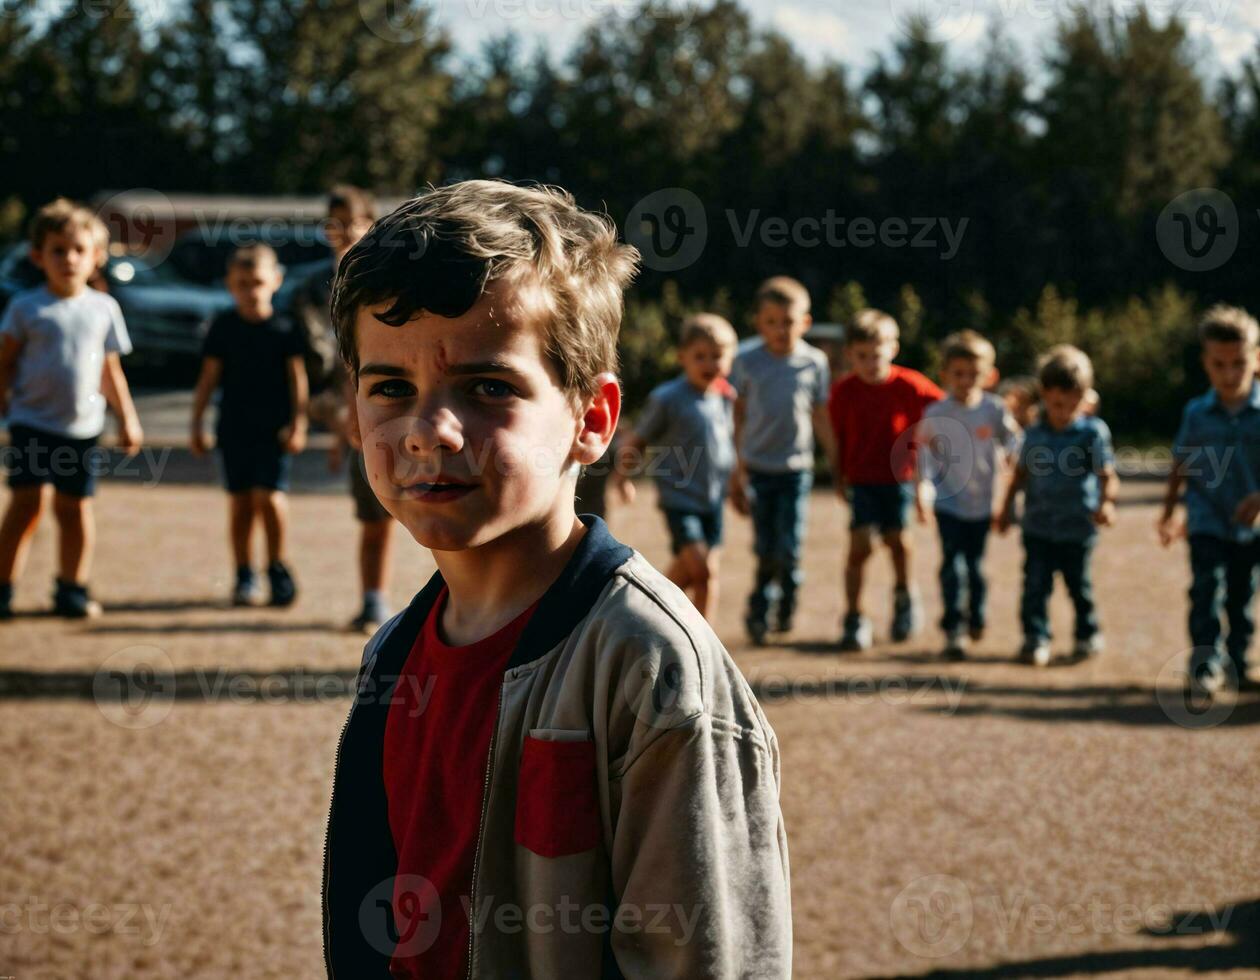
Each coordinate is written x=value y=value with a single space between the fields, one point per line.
x=254 y=466
x=885 y=506
x=34 y=457
x=693 y=527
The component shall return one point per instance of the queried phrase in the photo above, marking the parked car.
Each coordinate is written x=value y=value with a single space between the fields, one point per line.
x=202 y=256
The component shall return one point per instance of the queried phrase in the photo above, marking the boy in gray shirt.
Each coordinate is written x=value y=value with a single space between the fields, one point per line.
x=688 y=427
x=782 y=386
x=961 y=439
x=60 y=347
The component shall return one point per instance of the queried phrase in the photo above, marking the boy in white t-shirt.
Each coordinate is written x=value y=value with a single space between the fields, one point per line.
x=60 y=347
x=961 y=437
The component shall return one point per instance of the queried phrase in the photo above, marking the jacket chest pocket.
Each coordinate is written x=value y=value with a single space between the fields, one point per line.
x=557 y=806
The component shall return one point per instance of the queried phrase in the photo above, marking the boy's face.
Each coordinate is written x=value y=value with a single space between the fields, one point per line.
x=1021 y=405
x=1230 y=367
x=252 y=288
x=781 y=326
x=964 y=377
x=68 y=259
x=343 y=229
x=702 y=362
x=467 y=434
x=871 y=360
x=1061 y=405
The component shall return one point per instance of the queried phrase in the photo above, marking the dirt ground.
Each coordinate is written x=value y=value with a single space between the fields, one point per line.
x=974 y=819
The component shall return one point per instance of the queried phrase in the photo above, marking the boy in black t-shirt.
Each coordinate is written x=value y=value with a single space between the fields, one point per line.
x=255 y=355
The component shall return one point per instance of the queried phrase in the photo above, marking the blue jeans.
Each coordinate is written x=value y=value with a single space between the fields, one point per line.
x=778 y=516
x=1223 y=574
x=962 y=546
x=1042 y=558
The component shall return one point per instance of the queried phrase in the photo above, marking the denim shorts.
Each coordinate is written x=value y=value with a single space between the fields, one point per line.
x=693 y=527
x=34 y=457
x=885 y=506
x=255 y=466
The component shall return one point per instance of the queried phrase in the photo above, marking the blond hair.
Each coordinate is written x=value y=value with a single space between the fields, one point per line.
x=1230 y=325
x=871 y=326
x=783 y=291
x=62 y=215
x=439 y=252
x=968 y=345
x=717 y=330
x=1066 y=368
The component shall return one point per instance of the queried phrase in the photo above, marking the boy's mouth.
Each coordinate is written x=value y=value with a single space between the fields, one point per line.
x=438 y=491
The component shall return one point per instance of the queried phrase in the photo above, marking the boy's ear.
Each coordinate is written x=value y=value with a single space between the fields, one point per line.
x=992 y=380
x=599 y=420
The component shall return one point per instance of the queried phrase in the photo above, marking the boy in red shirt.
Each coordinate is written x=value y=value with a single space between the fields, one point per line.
x=552 y=768
x=874 y=410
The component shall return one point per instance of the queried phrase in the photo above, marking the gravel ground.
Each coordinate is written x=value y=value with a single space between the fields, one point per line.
x=976 y=819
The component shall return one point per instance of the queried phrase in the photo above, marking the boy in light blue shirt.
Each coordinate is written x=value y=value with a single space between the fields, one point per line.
x=60 y=347
x=1067 y=471
x=687 y=427
x=782 y=385
x=964 y=438
x=1217 y=460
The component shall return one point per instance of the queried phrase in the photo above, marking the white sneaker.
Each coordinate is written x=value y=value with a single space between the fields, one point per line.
x=1035 y=652
x=955 y=645
x=1089 y=647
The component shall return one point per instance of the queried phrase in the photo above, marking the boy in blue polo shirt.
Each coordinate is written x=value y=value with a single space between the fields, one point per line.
x=1067 y=472
x=689 y=422
x=1217 y=453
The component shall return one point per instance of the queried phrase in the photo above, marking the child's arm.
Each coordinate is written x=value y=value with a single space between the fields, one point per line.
x=117 y=393
x=1105 y=516
x=10 y=347
x=207 y=381
x=1006 y=513
x=824 y=435
x=739 y=475
x=1167 y=524
x=293 y=435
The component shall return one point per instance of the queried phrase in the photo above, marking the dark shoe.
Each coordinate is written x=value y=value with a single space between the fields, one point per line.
x=1088 y=647
x=907 y=616
x=370 y=618
x=976 y=632
x=73 y=602
x=955 y=646
x=6 y=600
x=283 y=588
x=245 y=592
x=783 y=621
x=857 y=635
x=756 y=629
x=1035 y=653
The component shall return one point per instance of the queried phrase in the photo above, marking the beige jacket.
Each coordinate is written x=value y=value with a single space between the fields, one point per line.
x=630 y=821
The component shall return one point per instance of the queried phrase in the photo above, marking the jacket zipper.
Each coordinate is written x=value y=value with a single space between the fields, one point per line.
x=332 y=801
x=481 y=829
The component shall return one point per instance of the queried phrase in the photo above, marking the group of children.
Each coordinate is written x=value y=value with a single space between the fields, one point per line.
x=895 y=441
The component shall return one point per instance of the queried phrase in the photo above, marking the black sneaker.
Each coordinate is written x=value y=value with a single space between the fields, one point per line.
x=783 y=621
x=245 y=592
x=756 y=629
x=370 y=618
x=73 y=602
x=907 y=616
x=6 y=600
x=283 y=588
x=856 y=634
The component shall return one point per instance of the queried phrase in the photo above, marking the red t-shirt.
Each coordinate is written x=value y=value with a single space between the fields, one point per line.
x=869 y=422
x=437 y=743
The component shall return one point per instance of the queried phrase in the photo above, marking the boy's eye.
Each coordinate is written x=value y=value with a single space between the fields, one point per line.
x=493 y=388
x=393 y=388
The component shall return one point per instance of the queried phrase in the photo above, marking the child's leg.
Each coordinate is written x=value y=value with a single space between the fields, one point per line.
x=1240 y=590
x=1208 y=562
x=951 y=582
x=26 y=503
x=860 y=547
x=77 y=535
x=898 y=541
x=374 y=548
x=1078 y=578
x=790 y=510
x=274 y=507
x=1038 y=582
x=708 y=603
x=241 y=523
x=694 y=562
x=763 y=519
x=977 y=536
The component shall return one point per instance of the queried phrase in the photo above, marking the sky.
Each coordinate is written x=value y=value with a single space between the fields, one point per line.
x=856 y=31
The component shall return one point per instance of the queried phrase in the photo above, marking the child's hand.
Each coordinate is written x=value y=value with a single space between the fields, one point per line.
x=1105 y=516
x=1170 y=529
x=199 y=444
x=1002 y=521
x=842 y=489
x=920 y=507
x=1248 y=510
x=739 y=494
x=293 y=436
x=130 y=436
